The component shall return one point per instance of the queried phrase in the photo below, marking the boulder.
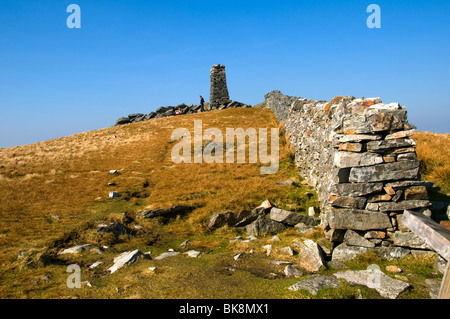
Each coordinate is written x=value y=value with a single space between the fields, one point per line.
x=264 y=225
x=392 y=253
x=221 y=219
x=310 y=255
x=245 y=217
x=123 y=120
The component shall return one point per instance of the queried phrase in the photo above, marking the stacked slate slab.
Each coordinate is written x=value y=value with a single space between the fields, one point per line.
x=359 y=155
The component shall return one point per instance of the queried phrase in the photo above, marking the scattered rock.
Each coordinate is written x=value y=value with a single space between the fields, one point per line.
x=113 y=195
x=193 y=253
x=292 y=272
x=394 y=268
x=75 y=249
x=310 y=255
x=167 y=255
x=343 y=252
x=313 y=211
x=286 y=182
x=286 y=251
x=314 y=283
x=184 y=244
x=95 y=265
x=117 y=229
x=275 y=238
x=125 y=258
x=409 y=239
x=174 y=210
x=386 y=286
x=238 y=256
x=392 y=253
x=264 y=225
x=268 y=249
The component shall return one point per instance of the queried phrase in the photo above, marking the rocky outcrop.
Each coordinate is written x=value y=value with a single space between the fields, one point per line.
x=359 y=155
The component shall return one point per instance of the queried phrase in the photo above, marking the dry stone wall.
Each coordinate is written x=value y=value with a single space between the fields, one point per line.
x=359 y=155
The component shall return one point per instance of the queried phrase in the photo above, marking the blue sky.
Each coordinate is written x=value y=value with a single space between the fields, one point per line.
x=134 y=56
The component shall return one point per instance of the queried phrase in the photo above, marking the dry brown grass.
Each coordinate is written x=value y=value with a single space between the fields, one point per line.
x=434 y=151
x=50 y=188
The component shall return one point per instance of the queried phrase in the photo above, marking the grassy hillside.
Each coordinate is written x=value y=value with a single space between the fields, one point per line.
x=54 y=194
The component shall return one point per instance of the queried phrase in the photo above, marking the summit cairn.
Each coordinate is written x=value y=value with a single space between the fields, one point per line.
x=219 y=90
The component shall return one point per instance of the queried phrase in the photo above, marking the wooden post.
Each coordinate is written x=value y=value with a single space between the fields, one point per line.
x=444 y=292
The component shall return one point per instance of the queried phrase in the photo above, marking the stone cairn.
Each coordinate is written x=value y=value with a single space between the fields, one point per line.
x=219 y=100
x=358 y=154
x=219 y=90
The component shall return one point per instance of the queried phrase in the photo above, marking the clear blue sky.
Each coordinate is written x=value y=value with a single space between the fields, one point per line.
x=134 y=56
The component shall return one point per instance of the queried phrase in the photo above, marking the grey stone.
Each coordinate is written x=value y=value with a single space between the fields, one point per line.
x=314 y=283
x=75 y=249
x=409 y=239
x=349 y=202
x=117 y=229
x=385 y=172
x=343 y=252
x=292 y=272
x=358 y=219
x=310 y=255
x=356 y=189
x=123 y=120
x=352 y=238
x=245 y=217
x=125 y=258
x=264 y=225
x=403 y=205
x=286 y=251
x=113 y=195
x=167 y=255
x=358 y=138
x=174 y=210
x=388 y=144
x=221 y=219
x=349 y=159
x=386 y=286
x=392 y=253
x=290 y=218
x=193 y=253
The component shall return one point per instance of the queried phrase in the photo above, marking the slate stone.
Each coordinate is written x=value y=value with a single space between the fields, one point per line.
x=264 y=225
x=344 y=252
x=314 y=283
x=358 y=219
x=310 y=256
x=356 y=189
x=385 y=172
x=386 y=286
x=174 y=210
x=125 y=258
x=352 y=238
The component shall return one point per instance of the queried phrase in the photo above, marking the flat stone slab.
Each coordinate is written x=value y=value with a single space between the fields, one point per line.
x=75 y=249
x=167 y=255
x=125 y=258
x=193 y=253
x=373 y=278
x=314 y=283
x=357 y=219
